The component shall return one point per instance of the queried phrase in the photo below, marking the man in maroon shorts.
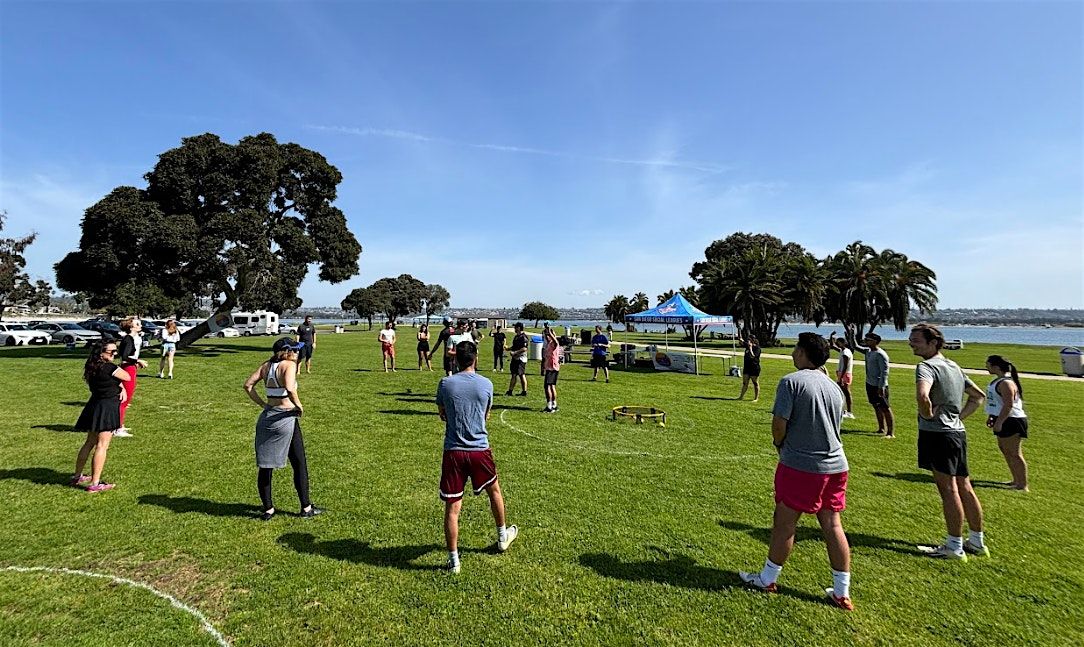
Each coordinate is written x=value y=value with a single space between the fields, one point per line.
x=811 y=477
x=464 y=401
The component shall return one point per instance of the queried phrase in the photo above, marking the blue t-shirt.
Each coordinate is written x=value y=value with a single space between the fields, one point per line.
x=599 y=339
x=465 y=397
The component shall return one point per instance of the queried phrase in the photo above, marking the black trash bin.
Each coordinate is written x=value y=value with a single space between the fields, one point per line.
x=585 y=337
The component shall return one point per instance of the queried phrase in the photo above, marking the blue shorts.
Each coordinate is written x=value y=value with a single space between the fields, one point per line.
x=169 y=347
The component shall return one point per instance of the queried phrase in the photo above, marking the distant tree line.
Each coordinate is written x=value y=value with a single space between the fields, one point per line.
x=395 y=297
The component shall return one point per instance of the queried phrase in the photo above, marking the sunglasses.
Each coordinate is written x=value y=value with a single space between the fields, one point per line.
x=110 y=352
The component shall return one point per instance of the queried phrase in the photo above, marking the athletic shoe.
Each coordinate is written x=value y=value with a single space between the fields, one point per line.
x=547 y=410
x=100 y=487
x=942 y=552
x=79 y=479
x=842 y=603
x=508 y=392
x=510 y=534
x=122 y=433
x=453 y=565
x=161 y=376
x=267 y=516
x=848 y=415
x=752 y=580
x=311 y=512
x=555 y=409
x=523 y=394
x=972 y=549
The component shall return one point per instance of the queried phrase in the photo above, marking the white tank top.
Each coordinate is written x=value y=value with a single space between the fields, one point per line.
x=994 y=400
x=271 y=382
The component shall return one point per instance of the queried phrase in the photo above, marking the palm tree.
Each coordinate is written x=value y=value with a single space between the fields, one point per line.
x=617 y=308
x=853 y=287
x=639 y=303
x=665 y=296
x=905 y=282
x=749 y=288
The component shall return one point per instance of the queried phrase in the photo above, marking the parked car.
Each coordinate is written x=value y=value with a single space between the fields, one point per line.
x=287 y=329
x=69 y=333
x=21 y=335
x=109 y=331
x=228 y=331
x=150 y=329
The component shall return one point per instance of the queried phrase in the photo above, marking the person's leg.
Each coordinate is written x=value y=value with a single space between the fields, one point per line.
x=451 y=524
x=880 y=419
x=101 y=448
x=162 y=364
x=744 y=386
x=129 y=390
x=170 y=362
x=84 y=452
x=300 y=467
x=523 y=381
x=972 y=509
x=756 y=387
x=496 y=503
x=839 y=550
x=308 y=364
x=890 y=422
x=847 y=396
x=606 y=372
x=784 y=525
x=263 y=485
x=1011 y=449
x=950 y=503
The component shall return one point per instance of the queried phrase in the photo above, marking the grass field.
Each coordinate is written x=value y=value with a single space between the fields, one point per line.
x=629 y=534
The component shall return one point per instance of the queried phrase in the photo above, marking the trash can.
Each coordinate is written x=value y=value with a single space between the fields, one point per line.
x=1072 y=361
x=339 y=330
x=585 y=336
x=536 y=348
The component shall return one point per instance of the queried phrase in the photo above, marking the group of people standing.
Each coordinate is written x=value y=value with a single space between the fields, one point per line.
x=811 y=476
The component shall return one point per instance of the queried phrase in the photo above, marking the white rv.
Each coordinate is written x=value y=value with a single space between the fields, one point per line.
x=260 y=322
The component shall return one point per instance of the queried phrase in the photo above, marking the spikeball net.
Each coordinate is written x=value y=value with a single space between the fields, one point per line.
x=639 y=414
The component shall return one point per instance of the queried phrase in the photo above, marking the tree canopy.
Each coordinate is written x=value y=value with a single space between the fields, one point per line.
x=538 y=311
x=437 y=299
x=401 y=295
x=364 y=302
x=15 y=285
x=237 y=223
x=617 y=308
x=639 y=303
x=762 y=281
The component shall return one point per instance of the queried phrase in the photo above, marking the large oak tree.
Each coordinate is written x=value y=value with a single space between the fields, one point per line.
x=239 y=224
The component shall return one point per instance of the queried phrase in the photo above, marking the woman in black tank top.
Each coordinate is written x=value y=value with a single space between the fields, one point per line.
x=101 y=414
x=423 y=347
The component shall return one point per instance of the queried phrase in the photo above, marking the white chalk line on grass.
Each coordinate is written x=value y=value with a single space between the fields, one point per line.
x=204 y=623
x=616 y=452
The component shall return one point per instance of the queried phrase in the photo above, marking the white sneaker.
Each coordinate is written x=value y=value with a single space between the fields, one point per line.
x=848 y=415
x=510 y=535
x=122 y=433
x=943 y=552
x=453 y=565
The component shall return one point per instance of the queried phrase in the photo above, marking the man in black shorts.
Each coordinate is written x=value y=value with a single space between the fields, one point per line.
x=498 y=349
x=942 y=441
x=518 y=367
x=442 y=338
x=306 y=334
x=877 y=366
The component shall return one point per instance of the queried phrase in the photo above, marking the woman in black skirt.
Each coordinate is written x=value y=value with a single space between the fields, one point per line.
x=101 y=415
x=751 y=368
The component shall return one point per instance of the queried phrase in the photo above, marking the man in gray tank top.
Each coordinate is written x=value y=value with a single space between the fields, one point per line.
x=942 y=442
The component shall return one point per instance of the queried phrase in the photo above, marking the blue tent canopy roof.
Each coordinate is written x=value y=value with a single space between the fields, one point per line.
x=678 y=310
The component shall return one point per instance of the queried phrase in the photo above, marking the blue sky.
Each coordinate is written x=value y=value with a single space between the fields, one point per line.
x=571 y=151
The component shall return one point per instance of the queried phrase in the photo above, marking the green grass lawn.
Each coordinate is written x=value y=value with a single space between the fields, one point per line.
x=629 y=534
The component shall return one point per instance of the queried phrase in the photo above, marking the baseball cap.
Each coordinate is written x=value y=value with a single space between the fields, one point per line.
x=874 y=336
x=286 y=344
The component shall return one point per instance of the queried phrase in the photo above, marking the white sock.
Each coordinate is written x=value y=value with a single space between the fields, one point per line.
x=453 y=556
x=955 y=544
x=975 y=537
x=841 y=583
x=502 y=532
x=771 y=572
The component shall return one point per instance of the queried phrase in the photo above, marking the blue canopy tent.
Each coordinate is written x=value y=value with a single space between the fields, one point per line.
x=678 y=310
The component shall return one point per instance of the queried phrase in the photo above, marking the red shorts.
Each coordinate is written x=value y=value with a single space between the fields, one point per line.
x=458 y=465
x=808 y=492
x=388 y=349
x=845 y=378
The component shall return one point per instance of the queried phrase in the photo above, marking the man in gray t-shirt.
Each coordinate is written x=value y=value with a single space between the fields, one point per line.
x=877 y=383
x=811 y=477
x=940 y=386
x=464 y=401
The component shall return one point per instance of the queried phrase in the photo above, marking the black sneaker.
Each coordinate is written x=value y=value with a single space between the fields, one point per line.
x=524 y=394
x=311 y=512
x=508 y=392
x=267 y=516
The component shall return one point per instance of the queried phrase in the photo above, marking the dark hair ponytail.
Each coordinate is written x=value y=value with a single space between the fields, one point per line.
x=1006 y=366
x=94 y=361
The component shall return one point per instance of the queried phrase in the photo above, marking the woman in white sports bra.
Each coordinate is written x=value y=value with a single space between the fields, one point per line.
x=1005 y=416
x=278 y=429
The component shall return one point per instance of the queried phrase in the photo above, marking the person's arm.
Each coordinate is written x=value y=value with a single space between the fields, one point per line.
x=250 y=385
x=442 y=413
x=975 y=398
x=122 y=375
x=922 y=397
x=779 y=431
x=440 y=401
x=314 y=337
x=291 y=385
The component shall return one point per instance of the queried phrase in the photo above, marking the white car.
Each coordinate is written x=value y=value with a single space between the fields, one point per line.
x=228 y=331
x=287 y=329
x=69 y=333
x=21 y=335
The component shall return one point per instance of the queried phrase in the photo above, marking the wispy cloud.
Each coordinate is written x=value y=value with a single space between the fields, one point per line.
x=586 y=293
x=659 y=162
